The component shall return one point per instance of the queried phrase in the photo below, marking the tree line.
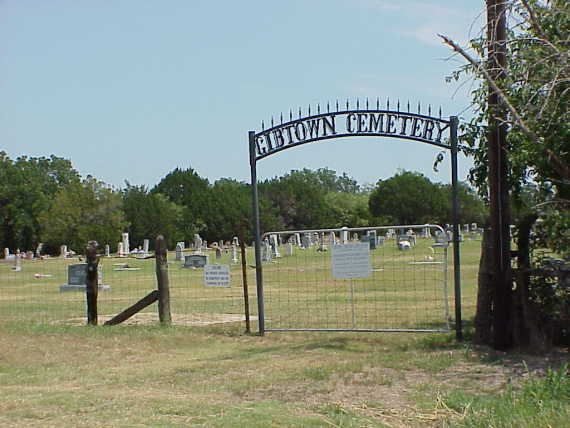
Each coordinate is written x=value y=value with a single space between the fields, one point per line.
x=46 y=200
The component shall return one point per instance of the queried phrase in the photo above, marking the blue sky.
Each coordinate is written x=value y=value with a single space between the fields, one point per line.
x=131 y=89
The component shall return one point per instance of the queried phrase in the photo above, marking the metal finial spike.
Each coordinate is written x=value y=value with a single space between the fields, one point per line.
x=328 y=107
x=281 y=117
x=347 y=104
x=429 y=109
x=367 y=104
x=299 y=112
x=387 y=103
x=337 y=105
x=262 y=125
x=318 y=108
x=419 y=108
x=377 y=103
x=290 y=114
x=357 y=104
x=309 y=109
x=440 y=112
x=398 y=105
x=408 y=106
x=272 y=125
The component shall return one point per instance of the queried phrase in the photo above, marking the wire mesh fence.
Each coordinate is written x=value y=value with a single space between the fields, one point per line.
x=44 y=290
x=406 y=290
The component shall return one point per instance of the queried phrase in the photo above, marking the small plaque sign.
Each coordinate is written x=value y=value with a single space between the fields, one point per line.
x=351 y=260
x=217 y=275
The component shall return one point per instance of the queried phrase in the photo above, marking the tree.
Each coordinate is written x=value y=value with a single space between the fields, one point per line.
x=27 y=188
x=150 y=215
x=81 y=212
x=527 y=92
x=408 y=198
x=187 y=189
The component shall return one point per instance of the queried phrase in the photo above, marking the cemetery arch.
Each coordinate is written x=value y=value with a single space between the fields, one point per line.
x=366 y=122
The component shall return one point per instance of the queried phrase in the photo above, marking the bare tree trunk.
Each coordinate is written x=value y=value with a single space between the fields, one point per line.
x=485 y=293
x=527 y=331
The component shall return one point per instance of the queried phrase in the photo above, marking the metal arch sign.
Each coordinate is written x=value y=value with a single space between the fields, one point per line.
x=352 y=123
x=355 y=123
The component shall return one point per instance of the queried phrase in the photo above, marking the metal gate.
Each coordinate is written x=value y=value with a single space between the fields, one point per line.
x=406 y=288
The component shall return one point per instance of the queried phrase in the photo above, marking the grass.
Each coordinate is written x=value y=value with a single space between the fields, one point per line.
x=55 y=372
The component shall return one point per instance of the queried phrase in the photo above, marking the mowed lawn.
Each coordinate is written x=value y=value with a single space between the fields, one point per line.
x=57 y=372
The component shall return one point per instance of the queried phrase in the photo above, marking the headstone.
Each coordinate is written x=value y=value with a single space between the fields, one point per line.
x=6 y=253
x=195 y=261
x=218 y=253
x=120 y=249
x=63 y=251
x=145 y=246
x=77 y=278
x=332 y=239
x=380 y=241
x=289 y=249
x=441 y=239
x=274 y=242
x=298 y=242
x=235 y=241
x=322 y=245
x=306 y=240
x=266 y=252
x=404 y=245
x=17 y=264
x=29 y=255
x=234 y=253
x=126 y=246
x=179 y=252
x=198 y=244
x=344 y=235
x=426 y=232
x=466 y=228
x=372 y=238
x=39 y=249
x=411 y=238
x=473 y=227
x=182 y=245
x=107 y=250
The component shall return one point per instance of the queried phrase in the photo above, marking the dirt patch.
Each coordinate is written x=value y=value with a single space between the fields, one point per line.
x=151 y=318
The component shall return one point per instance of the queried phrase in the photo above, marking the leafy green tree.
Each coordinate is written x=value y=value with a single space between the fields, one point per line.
x=190 y=191
x=81 y=212
x=150 y=215
x=27 y=188
x=408 y=198
x=348 y=209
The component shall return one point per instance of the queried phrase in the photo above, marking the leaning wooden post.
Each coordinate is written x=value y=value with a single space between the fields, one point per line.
x=91 y=284
x=244 y=276
x=160 y=252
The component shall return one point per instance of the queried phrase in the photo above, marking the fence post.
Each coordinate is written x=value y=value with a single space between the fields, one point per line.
x=92 y=282
x=245 y=291
x=160 y=252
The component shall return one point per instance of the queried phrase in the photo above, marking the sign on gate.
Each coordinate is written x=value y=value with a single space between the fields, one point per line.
x=217 y=275
x=351 y=260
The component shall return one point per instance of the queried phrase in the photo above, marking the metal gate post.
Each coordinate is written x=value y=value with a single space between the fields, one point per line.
x=454 y=123
x=256 y=234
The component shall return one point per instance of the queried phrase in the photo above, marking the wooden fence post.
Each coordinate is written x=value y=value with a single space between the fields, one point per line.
x=160 y=252
x=244 y=276
x=91 y=284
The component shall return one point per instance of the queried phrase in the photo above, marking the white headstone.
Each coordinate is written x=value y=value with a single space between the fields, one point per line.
x=298 y=239
x=107 y=251
x=274 y=242
x=234 y=253
x=17 y=264
x=63 y=251
x=289 y=249
x=198 y=244
x=344 y=235
x=145 y=246
x=266 y=253
x=235 y=241
x=120 y=249
x=126 y=246
x=179 y=252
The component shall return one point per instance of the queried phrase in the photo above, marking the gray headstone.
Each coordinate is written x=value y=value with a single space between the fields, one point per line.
x=179 y=252
x=63 y=251
x=234 y=254
x=195 y=261
x=77 y=278
x=107 y=251
x=274 y=242
x=6 y=252
x=126 y=245
x=289 y=249
x=145 y=246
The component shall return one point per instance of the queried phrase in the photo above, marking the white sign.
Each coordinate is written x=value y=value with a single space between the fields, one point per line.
x=351 y=260
x=217 y=275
